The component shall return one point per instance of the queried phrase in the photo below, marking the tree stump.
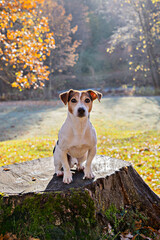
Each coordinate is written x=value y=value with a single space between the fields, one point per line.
x=35 y=202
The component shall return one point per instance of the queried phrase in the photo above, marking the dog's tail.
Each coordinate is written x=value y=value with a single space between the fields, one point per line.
x=55 y=146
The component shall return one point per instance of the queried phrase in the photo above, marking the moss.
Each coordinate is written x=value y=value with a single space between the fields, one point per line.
x=68 y=215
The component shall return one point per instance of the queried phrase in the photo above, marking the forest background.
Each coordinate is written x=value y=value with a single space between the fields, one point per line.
x=98 y=44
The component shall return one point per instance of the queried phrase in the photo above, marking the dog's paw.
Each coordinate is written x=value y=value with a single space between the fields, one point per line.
x=59 y=173
x=88 y=173
x=67 y=177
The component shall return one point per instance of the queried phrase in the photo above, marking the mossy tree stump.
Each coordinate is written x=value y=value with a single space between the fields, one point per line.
x=37 y=203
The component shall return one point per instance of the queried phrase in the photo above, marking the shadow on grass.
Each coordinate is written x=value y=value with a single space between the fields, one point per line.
x=143 y=112
x=16 y=119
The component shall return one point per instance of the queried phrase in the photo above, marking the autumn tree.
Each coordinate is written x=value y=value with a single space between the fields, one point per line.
x=25 y=40
x=64 y=56
x=139 y=32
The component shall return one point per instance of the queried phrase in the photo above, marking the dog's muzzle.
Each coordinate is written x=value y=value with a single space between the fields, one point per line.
x=81 y=112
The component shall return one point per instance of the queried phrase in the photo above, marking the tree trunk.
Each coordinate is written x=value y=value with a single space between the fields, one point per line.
x=145 y=23
x=144 y=19
x=35 y=202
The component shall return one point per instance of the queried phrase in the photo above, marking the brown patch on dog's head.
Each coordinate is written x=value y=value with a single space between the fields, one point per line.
x=66 y=96
x=73 y=100
x=71 y=97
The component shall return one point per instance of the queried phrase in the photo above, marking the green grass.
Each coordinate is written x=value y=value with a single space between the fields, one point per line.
x=127 y=128
x=25 y=149
x=140 y=148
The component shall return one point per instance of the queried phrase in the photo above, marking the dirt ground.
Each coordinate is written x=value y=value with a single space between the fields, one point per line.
x=27 y=119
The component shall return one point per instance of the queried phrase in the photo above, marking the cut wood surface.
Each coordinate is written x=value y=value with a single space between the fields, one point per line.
x=116 y=182
x=39 y=175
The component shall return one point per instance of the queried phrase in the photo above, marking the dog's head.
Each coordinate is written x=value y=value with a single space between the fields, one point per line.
x=80 y=102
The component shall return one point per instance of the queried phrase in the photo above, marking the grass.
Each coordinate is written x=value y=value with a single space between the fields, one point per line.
x=142 y=149
x=15 y=151
x=122 y=138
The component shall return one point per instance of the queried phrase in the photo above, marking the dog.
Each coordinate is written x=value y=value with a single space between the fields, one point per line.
x=77 y=141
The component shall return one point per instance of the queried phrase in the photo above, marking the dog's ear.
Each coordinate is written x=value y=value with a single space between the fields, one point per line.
x=66 y=96
x=95 y=94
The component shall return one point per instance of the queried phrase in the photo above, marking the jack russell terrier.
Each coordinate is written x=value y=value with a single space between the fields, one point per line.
x=77 y=137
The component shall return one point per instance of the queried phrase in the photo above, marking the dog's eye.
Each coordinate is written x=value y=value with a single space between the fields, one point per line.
x=73 y=100
x=87 y=100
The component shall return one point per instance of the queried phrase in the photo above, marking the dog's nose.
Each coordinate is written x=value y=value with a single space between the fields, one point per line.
x=81 y=112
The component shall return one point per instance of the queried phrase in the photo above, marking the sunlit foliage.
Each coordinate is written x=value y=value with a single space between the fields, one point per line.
x=64 y=56
x=140 y=35
x=25 y=40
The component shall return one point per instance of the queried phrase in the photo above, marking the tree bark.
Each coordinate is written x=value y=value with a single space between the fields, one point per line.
x=31 y=189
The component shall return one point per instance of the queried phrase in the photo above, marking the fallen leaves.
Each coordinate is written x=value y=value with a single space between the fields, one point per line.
x=6 y=169
x=128 y=224
x=34 y=179
x=25 y=150
x=10 y=236
x=139 y=148
x=126 y=235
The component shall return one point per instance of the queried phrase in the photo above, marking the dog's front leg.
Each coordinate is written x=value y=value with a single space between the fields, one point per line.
x=61 y=160
x=88 y=171
x=67 y=176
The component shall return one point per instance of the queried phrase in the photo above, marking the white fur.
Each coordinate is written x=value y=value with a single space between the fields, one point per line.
x=77 y=137
x=79 y=105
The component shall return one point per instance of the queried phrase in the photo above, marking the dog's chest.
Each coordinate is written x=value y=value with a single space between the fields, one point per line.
x=77 y=139
x=78 y=151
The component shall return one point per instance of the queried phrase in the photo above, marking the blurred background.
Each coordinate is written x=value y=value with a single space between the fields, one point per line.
x=110 y=45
